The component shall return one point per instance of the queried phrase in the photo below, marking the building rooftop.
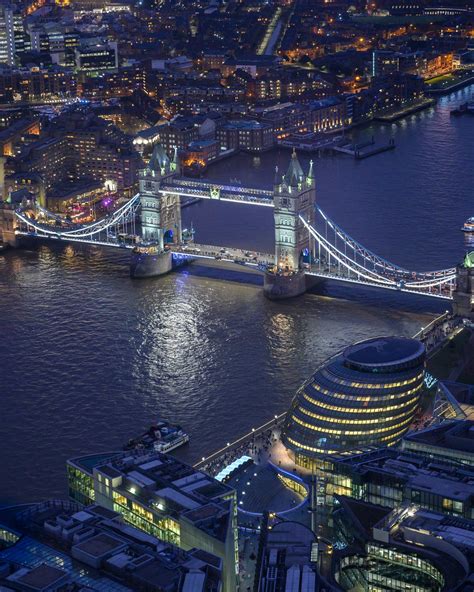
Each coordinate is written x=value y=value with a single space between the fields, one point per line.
x=384 y=351
x=456 y=435
x=414 y=471
x=401 y=529
x=165 y=485
x=100 y=545
x=40 y=578
x=244 y=124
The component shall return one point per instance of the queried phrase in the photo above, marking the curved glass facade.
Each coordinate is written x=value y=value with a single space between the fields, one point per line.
x=365 y=396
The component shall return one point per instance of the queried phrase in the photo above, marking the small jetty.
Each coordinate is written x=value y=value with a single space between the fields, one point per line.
x=364 y=149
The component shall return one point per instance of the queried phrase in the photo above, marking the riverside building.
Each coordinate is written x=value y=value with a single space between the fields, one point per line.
x=406 y=548
x=165 y=498
x=57 y=546
x=364 y=397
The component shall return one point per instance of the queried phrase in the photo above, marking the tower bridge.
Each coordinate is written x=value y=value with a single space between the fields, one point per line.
x=309 y=246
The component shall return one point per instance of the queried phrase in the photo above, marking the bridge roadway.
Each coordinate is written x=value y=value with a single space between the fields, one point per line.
x=253 y=259
x=315 y=271
x=245 y=257
x=227 y=254
x=205 y=189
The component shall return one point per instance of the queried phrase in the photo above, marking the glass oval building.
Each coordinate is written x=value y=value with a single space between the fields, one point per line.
x=367 y=395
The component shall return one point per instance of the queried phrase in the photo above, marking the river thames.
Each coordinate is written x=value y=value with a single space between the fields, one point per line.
x=90 y=357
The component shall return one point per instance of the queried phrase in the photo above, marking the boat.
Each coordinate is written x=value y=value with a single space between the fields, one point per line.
x=464 y=109
x=162 y=436
x=468 y=225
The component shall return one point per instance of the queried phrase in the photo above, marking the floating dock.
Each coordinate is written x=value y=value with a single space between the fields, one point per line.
x=364 y=149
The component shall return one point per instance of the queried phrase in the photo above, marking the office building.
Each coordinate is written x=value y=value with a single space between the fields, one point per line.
x=407 y=548
x=390 y=477
x=57 y=546
x=7 y=35
x=165 y=498
x=287 y=559
x=95 y=56
x=366 y=396
x=450 y=442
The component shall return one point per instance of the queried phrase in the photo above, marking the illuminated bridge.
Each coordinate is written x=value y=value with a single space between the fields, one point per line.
x=308 y=243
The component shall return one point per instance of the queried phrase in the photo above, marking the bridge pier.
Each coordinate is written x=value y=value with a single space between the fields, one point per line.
x=148 y=262
x=294 y=196
x=278 y=286
x=158 y=213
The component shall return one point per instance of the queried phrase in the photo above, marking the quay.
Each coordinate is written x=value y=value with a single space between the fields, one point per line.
x=392 y=116
x=444 y=87
x=309 y=142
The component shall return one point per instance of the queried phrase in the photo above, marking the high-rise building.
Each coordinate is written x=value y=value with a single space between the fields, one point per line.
x=7 y=35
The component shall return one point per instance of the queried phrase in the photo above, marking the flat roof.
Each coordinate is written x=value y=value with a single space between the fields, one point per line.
x=455 y=435
x=42 y=576
x=99 y=545
x=384 y=351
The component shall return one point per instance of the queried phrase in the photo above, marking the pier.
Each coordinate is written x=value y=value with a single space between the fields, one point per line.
x=364 y=149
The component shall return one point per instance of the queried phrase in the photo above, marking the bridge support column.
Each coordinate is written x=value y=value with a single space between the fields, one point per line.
x=158 y=212
x=277 y=286
x=150 y=262
x=463 y=296
x=294 y=195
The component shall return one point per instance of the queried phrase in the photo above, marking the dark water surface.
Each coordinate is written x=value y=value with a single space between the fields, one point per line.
x=89 y=357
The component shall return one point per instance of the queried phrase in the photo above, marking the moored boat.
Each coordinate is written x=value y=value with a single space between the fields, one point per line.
x=468 y=225
x=162 y=436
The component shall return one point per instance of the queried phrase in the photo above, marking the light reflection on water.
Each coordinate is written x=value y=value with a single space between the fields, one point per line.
x=89 y=357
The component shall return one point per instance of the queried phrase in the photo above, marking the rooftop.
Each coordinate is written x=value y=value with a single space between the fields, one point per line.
x=100 y=545
x=244 y=124
x=456 y=435
x=163 y=484
x=41 y=577
x=384 y=351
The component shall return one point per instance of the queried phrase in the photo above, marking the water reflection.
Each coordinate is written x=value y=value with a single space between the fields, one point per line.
x=91 y=357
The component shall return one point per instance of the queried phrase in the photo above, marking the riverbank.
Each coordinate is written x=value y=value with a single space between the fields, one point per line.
x=404 y=112
x=443 y=85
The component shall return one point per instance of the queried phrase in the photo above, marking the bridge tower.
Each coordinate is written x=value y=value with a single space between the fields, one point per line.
x=294 y=195
x=160 y=213
x=463 y=295
x=160 y=216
